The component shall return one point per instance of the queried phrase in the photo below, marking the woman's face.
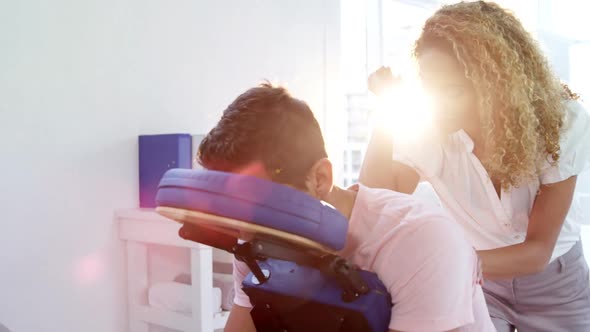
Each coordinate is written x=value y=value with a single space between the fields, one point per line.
x=453 y=96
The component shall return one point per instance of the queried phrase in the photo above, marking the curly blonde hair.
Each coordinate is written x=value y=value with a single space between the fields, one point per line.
x=520 y=100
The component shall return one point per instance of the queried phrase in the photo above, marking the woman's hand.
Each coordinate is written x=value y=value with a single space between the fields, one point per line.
x=382 y=80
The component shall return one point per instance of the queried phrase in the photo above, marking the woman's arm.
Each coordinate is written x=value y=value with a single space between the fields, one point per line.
x=532 y=256
x=380 y=171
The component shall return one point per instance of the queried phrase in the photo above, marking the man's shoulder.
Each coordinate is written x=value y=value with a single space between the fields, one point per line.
x=398 y=213
x=387 y=199
x=410 y=208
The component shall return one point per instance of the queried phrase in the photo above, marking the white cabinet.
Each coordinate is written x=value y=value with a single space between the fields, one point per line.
x=140 y=228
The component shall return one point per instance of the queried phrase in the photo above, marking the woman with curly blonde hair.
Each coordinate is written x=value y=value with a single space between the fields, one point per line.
x=515 y=140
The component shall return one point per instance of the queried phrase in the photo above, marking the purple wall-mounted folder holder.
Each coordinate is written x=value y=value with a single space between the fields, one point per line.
x=157 y=154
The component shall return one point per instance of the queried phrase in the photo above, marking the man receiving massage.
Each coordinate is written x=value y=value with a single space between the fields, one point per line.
x=418 y=252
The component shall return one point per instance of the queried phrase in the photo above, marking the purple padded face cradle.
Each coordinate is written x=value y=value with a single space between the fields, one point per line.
x=253 y=200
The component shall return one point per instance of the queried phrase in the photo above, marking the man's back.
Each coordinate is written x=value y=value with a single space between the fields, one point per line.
x=422 y=257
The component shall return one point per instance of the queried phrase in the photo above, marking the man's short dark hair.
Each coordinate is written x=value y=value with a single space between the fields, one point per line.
x=265 y=124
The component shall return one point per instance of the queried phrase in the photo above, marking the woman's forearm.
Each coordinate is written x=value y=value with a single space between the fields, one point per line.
x=380 y=171
x=513 y=261
x=376 y=170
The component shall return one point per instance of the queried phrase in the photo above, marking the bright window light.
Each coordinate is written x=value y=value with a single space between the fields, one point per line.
x=405 y=111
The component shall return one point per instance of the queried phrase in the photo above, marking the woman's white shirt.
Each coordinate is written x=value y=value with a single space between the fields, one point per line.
x=466 y=191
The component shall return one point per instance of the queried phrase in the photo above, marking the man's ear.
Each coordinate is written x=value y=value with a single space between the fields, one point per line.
x=320 y=178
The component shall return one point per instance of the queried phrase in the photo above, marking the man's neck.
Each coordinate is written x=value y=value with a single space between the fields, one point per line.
x=342 y=199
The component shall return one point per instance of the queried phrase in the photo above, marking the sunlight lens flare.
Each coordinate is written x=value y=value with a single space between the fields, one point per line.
x=405 y=111
x=89 y=269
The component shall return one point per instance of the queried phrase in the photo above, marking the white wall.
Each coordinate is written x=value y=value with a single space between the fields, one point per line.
x=79 y=80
